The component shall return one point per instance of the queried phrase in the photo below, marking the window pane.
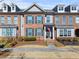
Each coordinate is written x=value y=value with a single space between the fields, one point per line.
x=69 y=32
x=29 y=20
x=39 y=19
x=4 y=31
x=64 y=20
x=9 y=20
x=70 y=20
x=61 y=32
x=15 y=19
x=65 y=32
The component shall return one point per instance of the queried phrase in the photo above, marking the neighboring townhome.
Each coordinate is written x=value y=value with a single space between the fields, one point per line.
x=9 y=21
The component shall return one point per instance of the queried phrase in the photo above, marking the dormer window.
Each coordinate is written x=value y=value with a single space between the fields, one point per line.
x=73 y=8
x=13 y=8
x=60 y=8
x=4 y=7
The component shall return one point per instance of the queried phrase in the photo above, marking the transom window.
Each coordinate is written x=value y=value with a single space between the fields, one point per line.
x=65 y=32
x=39 y=20
x=29 y=20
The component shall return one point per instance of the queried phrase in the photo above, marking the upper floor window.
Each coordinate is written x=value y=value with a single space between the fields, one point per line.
x=47 y=19
x=64 y=20
x=29 y=20
x=61 y=8
x=15 y=19
x=77 y=19
x=2 y=19
x=9 y=19
x=70 y=22
x=39 y=20
x=73 y=8
x=57 y=20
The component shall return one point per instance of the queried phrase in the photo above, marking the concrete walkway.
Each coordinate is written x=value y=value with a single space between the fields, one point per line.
x=50 y=52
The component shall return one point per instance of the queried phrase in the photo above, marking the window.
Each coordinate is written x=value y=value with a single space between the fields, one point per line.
x=69 y=32
x=2 y=19
x=60 y=8
x=39 y=19
x=70 y=22
x=9 y=20
x=73 y=7
x=61 y=32
x=38 y=32
x=15 y=19
x=3 y=31
x=12 y=7
x=29 y=20
x=47 y=19
x=7 y=31
x=29 y=32
x=64 y=20
x=77 y=19
x=4 y=7
x=57 y=20
x=65 y=32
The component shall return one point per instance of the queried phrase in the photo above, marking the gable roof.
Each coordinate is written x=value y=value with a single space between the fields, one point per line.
x=34 y=5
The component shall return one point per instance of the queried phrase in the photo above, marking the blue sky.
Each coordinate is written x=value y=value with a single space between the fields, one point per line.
x=43 y=3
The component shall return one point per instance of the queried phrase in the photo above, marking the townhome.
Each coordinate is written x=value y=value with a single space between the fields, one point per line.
x=60 y=21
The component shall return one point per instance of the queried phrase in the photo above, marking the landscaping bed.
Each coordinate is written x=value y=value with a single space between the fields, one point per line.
x=69 y=41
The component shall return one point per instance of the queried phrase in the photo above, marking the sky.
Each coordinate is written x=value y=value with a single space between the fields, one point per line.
x=46 y=4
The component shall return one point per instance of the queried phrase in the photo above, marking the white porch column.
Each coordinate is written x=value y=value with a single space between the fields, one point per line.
x=53 y=34
x=45 y=33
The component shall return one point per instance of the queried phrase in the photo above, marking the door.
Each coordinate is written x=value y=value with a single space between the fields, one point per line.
x=48 y=34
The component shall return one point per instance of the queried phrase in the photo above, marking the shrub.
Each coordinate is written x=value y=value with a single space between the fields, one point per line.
x=29 y=38
x=69 y=39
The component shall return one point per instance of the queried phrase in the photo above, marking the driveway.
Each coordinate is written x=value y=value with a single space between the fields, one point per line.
x=49 y=52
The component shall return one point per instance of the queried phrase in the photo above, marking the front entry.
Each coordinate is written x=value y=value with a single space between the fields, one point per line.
x=49 y=32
